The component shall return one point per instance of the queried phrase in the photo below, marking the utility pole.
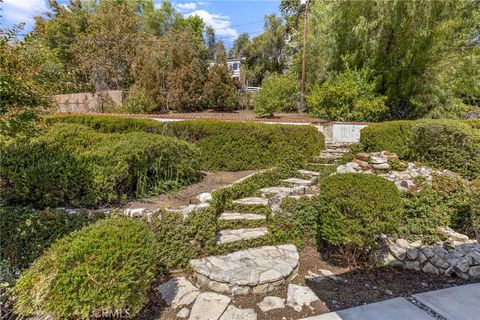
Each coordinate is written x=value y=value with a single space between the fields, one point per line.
x=302 y=106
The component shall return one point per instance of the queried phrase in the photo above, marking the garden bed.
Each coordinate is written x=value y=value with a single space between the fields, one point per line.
x=354 y=287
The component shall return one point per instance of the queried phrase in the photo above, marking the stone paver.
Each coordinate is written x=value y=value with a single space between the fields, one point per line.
x=298 y=182
x=271 y=303
x=309 y=173
x=275 y=190
x=209 y=306
x=240 y=216
x=178 y=291
x=233 y=313
x=457 y=303
x=256 y=270
x=393 y=309
x=234 y=235
x=299 y=296
x=252 y=201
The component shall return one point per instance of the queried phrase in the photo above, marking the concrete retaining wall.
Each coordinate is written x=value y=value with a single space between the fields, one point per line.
x=87 y=102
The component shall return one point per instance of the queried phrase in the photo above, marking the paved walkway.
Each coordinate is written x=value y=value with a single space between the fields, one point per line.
x=457 y=303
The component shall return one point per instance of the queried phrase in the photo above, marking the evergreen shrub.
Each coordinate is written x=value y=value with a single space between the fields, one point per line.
x=104 y=269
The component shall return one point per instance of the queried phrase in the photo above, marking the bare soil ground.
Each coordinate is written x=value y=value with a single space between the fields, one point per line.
x=186 y=196
x=352 y=288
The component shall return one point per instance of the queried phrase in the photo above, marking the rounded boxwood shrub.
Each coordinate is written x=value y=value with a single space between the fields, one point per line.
x=394 y=136
x=103 y=269
x=73 y=165
x=356 y=208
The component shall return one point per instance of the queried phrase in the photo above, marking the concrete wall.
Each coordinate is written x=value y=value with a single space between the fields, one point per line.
x=86 y=102
x=334 y=132
x=342 y=132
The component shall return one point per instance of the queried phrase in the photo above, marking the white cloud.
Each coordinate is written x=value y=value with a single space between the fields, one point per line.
x=188 y=6
x=16 y=11
x=221 y=23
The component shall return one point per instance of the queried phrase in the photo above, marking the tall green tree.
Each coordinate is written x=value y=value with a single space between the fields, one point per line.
x=413 y=49
x=239 y=45
x=220 y=91
x=172 y=70
x=267 y=53
x=107 y=48
x=21 y=97
x=210 y=42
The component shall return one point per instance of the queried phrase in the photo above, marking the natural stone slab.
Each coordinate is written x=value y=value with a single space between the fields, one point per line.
x=205 y=197
x=252 y=201
x=270 y=303
x=234 y=235
x=309 y=173
x=178 y=291
x=256 y=270
x=209 y=306
x=183 y=314
x=300 y=196
x=299 y=296
x=393 y=309
x=241 y=216
x=459 y=303
x=233 y=313
x=275 y=190
x=298 y=182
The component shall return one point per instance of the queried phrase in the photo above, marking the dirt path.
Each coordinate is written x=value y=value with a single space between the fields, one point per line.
x=211 y=181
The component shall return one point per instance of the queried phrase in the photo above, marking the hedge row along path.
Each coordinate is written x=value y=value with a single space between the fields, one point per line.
x=242 y=115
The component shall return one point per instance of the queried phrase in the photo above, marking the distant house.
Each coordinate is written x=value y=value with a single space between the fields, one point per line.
x=235 y=66
x=237 y=72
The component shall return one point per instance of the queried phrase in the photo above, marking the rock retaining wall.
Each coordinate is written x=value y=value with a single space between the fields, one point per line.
x=458 y=255
x=386 y=164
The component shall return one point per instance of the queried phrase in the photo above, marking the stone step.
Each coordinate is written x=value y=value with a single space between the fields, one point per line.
x=252 y=201
x=234 y=235
x=275 y=190
x=321 y=164
x=300 y=196
x=335 y=150
x=309 y=173
x=240 y=216
x=257 y=270
x=298 y=182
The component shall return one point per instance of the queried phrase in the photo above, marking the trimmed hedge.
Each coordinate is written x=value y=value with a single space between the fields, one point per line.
x=356 y=208
x=101 y=270
x=394 y=136
x=27 y=232
x=446 y=144
x=73 y=165
x=224 y=145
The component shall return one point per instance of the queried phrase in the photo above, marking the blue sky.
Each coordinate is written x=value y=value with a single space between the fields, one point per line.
x=228 y=17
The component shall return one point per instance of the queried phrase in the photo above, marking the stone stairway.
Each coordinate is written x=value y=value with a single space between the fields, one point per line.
x=235 y=235
x=260 y=269
x=334 y=152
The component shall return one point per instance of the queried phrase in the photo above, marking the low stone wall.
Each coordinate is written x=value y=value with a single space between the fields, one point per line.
x=387 y=165
x=458 y=255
